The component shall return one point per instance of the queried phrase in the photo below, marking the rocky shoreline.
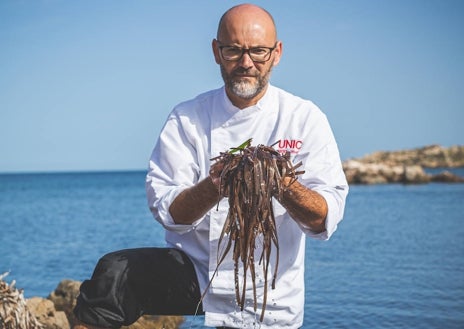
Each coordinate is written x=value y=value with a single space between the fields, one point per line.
x=406 y=166
x=55 y=311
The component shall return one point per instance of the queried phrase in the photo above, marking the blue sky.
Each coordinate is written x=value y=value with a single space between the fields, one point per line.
x=87 y=85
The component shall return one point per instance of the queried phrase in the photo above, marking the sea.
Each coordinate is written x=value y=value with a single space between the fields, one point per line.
x=395 y=261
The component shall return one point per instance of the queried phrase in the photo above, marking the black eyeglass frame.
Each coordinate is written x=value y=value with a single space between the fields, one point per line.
x=247 y=50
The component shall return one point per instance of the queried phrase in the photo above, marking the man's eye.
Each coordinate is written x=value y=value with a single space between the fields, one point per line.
x=258 y=51
x=233 y=50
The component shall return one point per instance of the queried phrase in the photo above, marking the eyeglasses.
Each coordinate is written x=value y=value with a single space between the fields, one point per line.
x=257 y=54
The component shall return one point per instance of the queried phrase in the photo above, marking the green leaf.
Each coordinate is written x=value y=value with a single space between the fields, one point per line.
x=242 y=146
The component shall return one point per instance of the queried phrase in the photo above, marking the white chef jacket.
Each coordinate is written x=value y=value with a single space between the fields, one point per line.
x=201 y=128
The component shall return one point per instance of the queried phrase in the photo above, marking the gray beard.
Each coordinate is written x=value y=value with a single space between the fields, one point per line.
x=244 y=89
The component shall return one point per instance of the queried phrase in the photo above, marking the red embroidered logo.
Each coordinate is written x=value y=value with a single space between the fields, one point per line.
x=291 y=145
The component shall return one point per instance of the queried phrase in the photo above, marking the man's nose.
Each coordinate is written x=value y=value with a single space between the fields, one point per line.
x=246 y=61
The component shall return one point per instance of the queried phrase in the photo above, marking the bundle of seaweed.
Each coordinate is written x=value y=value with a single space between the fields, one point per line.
x=251 y=177
x=14 y=313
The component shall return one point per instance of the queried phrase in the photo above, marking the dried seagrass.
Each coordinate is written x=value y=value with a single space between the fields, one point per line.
x=14 y=313
x=251 y=176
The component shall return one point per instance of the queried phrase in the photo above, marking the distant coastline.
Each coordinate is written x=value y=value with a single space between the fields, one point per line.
x=406 y=166
x=380 y=167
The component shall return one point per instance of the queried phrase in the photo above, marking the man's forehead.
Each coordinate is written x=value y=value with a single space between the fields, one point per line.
x=247 y=21
x=251 y=33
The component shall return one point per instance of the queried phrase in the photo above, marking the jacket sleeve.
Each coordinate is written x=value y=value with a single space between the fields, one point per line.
x=323 y=171
x=173 y=167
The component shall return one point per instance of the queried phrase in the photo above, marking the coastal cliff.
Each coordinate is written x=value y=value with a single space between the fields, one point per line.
x=406 y=166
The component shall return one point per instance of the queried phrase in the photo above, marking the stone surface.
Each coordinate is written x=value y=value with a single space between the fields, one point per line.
x=372 y=173
x=447 y=177
x=157 y=322
x=45 y=312
x=431 y=156
x=64 y=298
x=406 y=166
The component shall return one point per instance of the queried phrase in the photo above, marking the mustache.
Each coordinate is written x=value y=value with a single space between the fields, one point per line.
x=242 y=71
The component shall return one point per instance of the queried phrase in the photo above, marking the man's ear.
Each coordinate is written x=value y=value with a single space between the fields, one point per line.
x=215 y=46
x=277 y=53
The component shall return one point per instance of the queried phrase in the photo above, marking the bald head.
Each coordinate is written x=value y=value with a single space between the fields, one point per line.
x=247 y=34
x=246 y=20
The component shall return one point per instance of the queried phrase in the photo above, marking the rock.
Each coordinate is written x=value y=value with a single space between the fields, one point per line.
x=405 y=167
x=64 y=298
x=372 y=173
x=414 y=175
x=447 y=177
x=45 y=312
x=431 y=156
x=157 y=322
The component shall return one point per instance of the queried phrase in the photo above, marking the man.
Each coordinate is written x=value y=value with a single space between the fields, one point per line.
x=183 y=189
